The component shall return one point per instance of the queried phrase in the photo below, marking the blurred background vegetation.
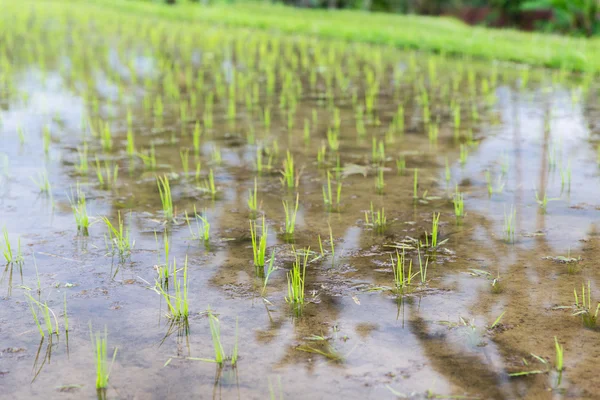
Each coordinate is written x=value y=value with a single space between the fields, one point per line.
x=572 y=17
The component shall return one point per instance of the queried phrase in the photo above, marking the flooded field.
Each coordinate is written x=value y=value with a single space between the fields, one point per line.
x=198 y=212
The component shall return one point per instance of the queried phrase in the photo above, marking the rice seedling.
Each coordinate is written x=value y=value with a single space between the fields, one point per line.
x=215 y=332
x=166 y=200
x=290 y=219
x=177 y=303
x=497 y=320
x=66 y=316
x=325 y=349
x=333 y=140
x=79 y=208
x=196 y=134
x=331 y=204
x=149 y=158
x=260 y=165
x=216 y=156
x=401 y=165
x=510 y=220
x=106 y=137
x=416 y=185
x=306 y=135
x=185 y=161
x=296 y=279
x=253 y=200
x=107 y=176
x=118 y=238
x=48 y=317
x=459 y=205
x=270 y=269
x=83 y=166
x=379 y=181
x=402 y=274
x=7 y=250
x=433 y=133
x=272 y=394
x=377 y=151
x=42 y=182
x=559 y=360
x=434 y=230
x=464 y=153
x=46 y=137
x=543 y=201
x=376 y=219
x=423 y=267
x=290 y=178
x=209 y=184
x=130 y=148
x=259 y=245
x=332 y=243
x=202 y=231
x=583 y=307
x=103 y=368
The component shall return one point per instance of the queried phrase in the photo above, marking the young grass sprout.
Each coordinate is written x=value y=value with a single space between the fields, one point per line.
x=332 y=204
x=253 y=200
x=376 y=219
x=296 y=279
x=290 y=219
x=259 y=245
x=103 y=368
x=510 y=220
x=583 y=307
x=164 y=190
x=118 y=237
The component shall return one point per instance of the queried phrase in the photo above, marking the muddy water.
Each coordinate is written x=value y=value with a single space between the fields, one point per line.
x=64 y=71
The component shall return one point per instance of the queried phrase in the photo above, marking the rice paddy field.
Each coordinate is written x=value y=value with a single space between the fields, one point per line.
x=192 y=210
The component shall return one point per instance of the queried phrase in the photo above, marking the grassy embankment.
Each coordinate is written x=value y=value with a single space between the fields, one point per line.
x=438 y=34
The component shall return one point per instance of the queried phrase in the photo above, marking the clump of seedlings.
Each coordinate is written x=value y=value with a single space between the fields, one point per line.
x=510 y=220
x=547 y=368
x=103 y=368
x=48 y=316
x=166 y=200
x=79 y=208
x=290 y=219
x=459 y=205
x=332 y=204
x=215 y=332
x=296 y=279
x=542 y=201
x=253 y=200
x=495 y=282
x=259 y=245
x=202 y=231
x=321 y=345
x=177 y=303
x=583 y=307
x=290 y=177
x=376 y=219
x=209 y=184
x=7 y=250
x=43 y=183
x=434 y=234
x=403 y=274
x=107 y=176
x=118 y=240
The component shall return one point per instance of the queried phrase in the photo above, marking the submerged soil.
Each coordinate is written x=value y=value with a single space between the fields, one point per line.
x=67 y=75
